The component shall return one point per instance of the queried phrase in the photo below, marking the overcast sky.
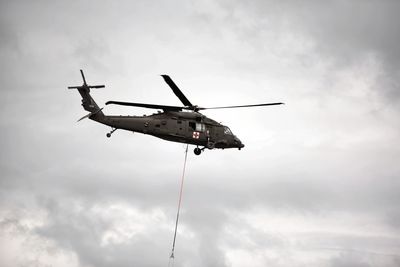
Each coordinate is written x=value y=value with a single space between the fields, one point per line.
x=316 y=185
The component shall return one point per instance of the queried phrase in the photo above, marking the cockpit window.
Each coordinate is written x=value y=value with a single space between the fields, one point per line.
x=227 y=130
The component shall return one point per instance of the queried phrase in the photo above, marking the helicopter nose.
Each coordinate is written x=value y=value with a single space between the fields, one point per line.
x=239 y=143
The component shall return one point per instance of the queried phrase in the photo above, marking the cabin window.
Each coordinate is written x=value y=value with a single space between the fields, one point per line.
x=200 y=127
x=192 y=125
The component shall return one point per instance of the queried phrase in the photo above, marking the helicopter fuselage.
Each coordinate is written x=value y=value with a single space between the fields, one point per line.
x=177 y=126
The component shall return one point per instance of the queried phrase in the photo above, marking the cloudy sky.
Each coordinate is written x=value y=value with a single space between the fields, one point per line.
x=316 y=185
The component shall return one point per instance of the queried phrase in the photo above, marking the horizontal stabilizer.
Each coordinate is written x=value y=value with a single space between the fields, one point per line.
x=84 y=117
x=90 y=114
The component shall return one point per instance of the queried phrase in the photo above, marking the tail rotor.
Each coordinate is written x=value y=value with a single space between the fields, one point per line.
x=88 y=102
x=85 y=86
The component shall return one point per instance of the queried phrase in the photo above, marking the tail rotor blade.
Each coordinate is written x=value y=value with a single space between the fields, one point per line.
x=85 y=86
x=83 y=77
x=97 y=86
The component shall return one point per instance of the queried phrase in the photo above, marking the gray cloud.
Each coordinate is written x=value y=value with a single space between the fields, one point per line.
x=316 y=185
x=338 y=32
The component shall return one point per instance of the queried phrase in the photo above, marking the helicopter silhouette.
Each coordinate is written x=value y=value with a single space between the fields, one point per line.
x=182 y=124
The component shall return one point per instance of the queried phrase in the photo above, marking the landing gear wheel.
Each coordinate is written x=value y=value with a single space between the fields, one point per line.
x=110 y=133
x=197 y=151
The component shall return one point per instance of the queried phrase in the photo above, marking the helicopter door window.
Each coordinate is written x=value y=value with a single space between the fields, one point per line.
x=192 y=125
x=200 y=127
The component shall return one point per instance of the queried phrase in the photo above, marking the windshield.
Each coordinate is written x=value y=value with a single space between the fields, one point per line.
x=227 y=130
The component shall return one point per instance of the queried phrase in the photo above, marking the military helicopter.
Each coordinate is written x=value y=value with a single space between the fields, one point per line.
x=173 y=124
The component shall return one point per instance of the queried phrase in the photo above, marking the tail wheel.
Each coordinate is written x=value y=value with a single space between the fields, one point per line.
x=110 y=133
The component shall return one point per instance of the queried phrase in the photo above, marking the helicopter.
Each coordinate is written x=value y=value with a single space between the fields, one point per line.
x=182 y=124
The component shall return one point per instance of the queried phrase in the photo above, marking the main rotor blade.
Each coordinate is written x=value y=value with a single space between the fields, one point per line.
x=177 y=91
x=83 y=77
x=142 y=105
x=244 y=106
